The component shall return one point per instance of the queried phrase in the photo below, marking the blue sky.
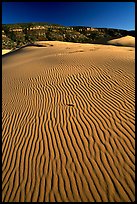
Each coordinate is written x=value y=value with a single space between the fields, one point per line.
x=94 y=14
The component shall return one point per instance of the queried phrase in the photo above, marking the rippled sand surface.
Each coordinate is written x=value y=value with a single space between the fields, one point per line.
x=68 y=123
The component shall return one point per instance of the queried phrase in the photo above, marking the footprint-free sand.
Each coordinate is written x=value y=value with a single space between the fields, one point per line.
x=5 y=51
x=68 y=123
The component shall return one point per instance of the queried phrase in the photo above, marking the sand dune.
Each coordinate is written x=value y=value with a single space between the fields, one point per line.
x=128 y=41
x=68 y=123
x=5 y=51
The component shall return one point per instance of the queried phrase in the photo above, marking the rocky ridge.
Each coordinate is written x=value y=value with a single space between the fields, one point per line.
x=17 y=35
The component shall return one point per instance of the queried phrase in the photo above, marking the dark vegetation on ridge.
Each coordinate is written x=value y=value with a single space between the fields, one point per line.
x=17 y=35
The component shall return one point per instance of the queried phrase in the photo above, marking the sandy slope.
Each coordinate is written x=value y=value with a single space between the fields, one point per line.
x=128 y=41
x=68 y=117
x=5 y=51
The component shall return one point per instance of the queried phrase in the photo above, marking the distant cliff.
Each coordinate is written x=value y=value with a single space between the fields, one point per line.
x=17 y=35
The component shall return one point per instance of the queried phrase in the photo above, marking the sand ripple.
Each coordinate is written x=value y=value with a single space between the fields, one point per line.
x=68 y=124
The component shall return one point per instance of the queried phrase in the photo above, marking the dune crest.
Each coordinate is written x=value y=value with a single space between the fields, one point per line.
x=68 y=124
x=127 y=41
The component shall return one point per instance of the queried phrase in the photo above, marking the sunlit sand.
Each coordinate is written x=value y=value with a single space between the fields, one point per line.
x=68 y=123
x=5 y=51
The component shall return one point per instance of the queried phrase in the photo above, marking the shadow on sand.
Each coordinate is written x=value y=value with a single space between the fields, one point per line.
x=19 y=49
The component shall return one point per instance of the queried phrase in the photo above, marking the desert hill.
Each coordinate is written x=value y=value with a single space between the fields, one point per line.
x=17 y=35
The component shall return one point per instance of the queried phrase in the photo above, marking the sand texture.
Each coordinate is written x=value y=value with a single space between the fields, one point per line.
x=68 y=123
